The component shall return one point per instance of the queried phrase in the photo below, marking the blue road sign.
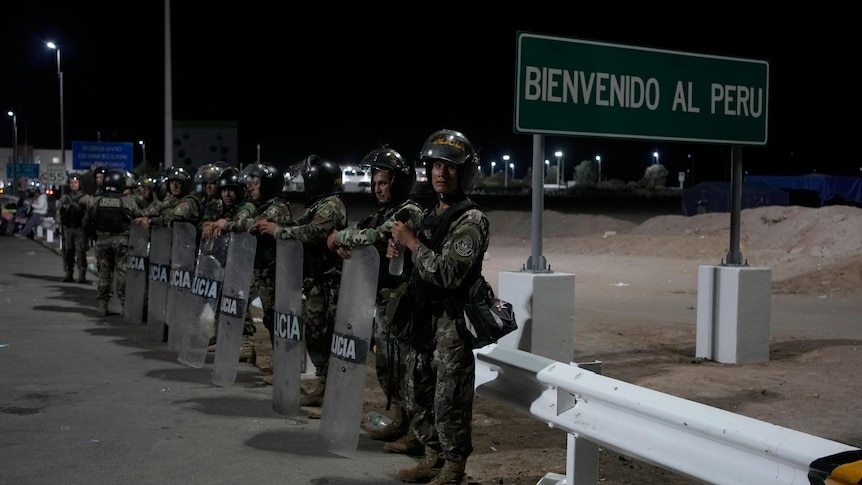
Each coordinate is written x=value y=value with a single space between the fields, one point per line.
x=85 y=154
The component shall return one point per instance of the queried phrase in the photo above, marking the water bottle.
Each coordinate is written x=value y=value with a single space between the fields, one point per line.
x=375 y=421
x=396 y=264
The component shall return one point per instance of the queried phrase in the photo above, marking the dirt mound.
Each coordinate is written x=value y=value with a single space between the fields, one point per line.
x=810 y=250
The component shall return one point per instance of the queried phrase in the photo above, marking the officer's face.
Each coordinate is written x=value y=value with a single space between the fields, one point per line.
x=444 y=177
x=74 y=185
x=228 y=195
x=175 y=186
x=380 y=183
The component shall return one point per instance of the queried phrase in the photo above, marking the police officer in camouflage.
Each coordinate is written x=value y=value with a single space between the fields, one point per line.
x=145 y=195
x=321 y=270
x=202 y=199
x=212 y=203
x=447 y=256
x=108 y=220
x=265 y=185
x=392 y=182
x=72 y=207
x=236 y=206
x=177 y=184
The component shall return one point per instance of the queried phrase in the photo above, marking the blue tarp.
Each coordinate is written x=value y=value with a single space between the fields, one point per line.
x=828 y=187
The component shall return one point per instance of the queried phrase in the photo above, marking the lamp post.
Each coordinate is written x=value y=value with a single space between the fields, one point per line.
x=505 y=172
x=655 y=156
x=143 y=150
x=599 y=161
x=493 y=164
x=62 y=123
x=14 y=151
x=560 y=177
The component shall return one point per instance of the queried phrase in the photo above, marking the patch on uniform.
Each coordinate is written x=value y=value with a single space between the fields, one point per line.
x=463 y=246
x=272 y=212
x=326 y=212
x=243 y=214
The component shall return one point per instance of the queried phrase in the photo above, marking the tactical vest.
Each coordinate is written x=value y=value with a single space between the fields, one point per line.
x=111 y=217
x=433 y=298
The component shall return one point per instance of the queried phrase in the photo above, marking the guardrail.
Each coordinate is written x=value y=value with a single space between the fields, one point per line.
x=691 y=439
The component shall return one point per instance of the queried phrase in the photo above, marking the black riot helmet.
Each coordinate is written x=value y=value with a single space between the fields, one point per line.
x=233 y=178
x=402 y=174
x=452 y=146
x=115 y=181
x=131 y=179
x=181 y=174
x=74 y=176
x=207 y=174
x=147 y=182
x=320 y=176
x=271 y=181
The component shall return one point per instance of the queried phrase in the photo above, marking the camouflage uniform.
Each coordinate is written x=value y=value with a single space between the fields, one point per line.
x=238 y=218
x=108 y=219
x=275 y=210
x=441 y=369
x=160 y=213
x=72 y=207
x=375 y=230
x=321 y=274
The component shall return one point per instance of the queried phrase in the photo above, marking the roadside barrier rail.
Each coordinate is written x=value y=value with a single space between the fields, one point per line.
x=691 y=439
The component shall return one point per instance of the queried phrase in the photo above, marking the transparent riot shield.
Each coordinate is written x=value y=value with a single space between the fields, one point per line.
x=205 y=292
x=233 y=304
x=160 y=270
x=178 y=313
x=351 y=341
x=136 y=274
x=288 y=353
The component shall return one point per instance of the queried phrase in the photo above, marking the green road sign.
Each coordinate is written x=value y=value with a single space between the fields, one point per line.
x=577 y=87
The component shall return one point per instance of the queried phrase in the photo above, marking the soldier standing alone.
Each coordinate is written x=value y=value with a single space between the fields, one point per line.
x=72 y=207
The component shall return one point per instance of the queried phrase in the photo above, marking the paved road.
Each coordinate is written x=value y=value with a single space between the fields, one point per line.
x=87 y=400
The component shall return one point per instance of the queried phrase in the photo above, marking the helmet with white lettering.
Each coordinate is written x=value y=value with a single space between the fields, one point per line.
x=452 y=146
x=402 y=174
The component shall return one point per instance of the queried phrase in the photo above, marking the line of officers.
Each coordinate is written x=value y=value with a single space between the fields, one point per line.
x=429 y=384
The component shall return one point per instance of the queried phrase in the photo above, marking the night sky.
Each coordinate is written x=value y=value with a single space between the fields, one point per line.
x=340 y=82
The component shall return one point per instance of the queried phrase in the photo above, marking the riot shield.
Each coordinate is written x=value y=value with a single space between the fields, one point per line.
x=288 y=353
x=205 y=291
x=136 y=274
x=160 y=269
x=179 y=311
x=351 y=341
x=233 y=303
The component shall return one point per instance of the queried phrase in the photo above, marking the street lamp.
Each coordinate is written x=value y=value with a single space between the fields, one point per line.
x=655 y=155
x=14 y=150
x=599 y=161
x=547 y=167
x=143 y=150
x=560 y=177
x=493 y=164
x=505 y=172
x=62 y=124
